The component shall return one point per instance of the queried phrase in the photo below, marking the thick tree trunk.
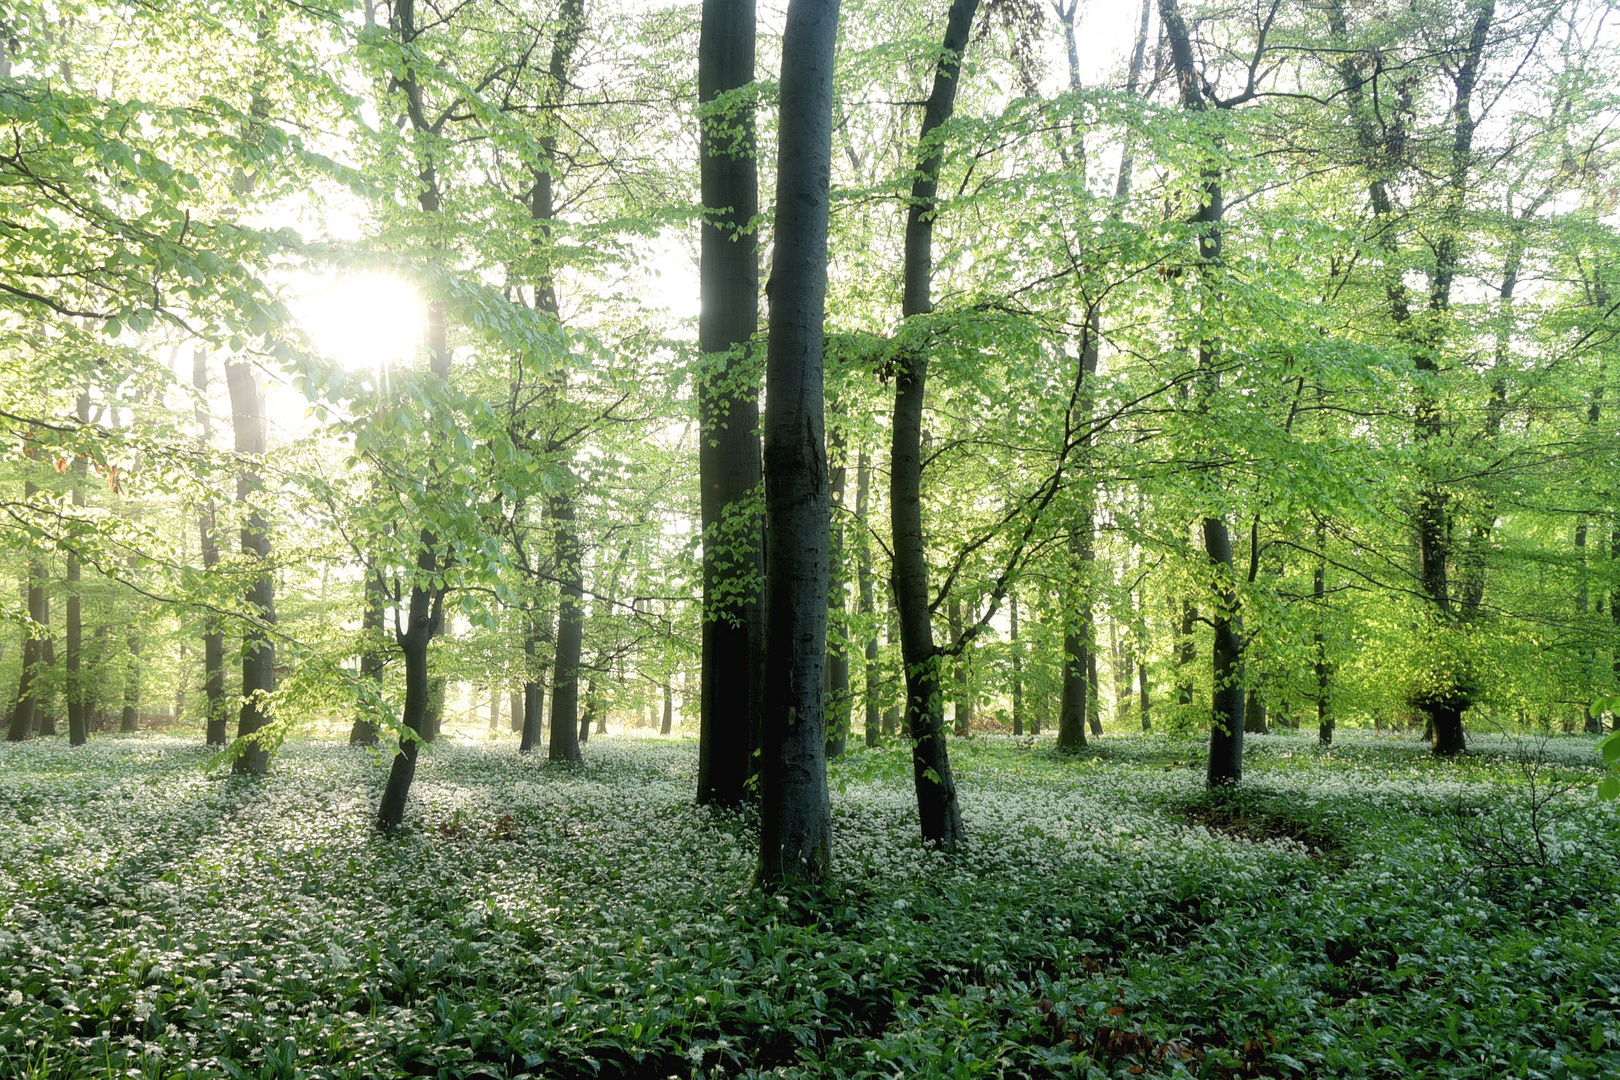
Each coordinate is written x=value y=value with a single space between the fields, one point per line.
x=937 y=808
x=1226 y=727
x=1254 y=713
x=258 y=654
x=732 y=676
x=795 y=814
x=373 y=662
x=868 y=596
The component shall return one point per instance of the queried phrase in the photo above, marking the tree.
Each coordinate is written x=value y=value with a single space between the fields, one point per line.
x=728 y=408
x=258 y=652
x=939 y=814
x=795 y=813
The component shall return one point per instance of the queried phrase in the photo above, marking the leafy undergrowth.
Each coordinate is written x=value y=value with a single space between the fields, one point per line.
x=1333 y=919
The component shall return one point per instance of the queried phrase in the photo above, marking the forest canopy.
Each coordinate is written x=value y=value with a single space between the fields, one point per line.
x=1199 y=367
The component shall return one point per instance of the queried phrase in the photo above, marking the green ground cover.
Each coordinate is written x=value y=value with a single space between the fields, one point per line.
x=1359 y=911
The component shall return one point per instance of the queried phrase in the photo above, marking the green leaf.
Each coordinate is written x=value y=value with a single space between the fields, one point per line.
x=1609 y=787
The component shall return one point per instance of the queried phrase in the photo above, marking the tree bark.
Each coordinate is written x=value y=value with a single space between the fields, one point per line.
x=77 y=699
x=564 y=743
x=1227 y=698
x=668 y=724
x=1323 y=671
x=733 y=647
x=839 y=707
x=937 y=808
x=215 y=718
x=258 y=654
x=868 y=596
x=963 y=708
x=372 y=660
x=1017 y=664
x=795 y=814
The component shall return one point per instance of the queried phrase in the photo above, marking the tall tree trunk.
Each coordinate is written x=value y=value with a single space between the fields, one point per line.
x=1324 y=672
x=564 y=744
x=868 y=598
x=216 y=710
x=373 y=661
x=258 y=654
x=838 y=699
x=515 y=713
x=1227 y=699
x=668 y=724
x=28 y=707
x=962 y=705
x=587 y=713
x=424 y=610
x=937 y=807
x=1017 y=664
x=76 y=691
x=795 y=814
x=1186 y=652
x=1144 y=704
x=733 y=643
x=1076 y=681
x=536 y=628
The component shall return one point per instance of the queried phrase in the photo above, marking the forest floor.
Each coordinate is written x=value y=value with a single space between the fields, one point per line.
x=1358 y=911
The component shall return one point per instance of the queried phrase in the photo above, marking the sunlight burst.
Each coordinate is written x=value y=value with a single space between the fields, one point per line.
x=366 y=320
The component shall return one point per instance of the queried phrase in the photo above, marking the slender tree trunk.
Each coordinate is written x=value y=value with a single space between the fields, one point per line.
x=937 y=808
x=1017 y=664
x=795 y=813
x=433 y=721
x=891 y=709
x=1186 y=652
x=258 y=654
x=588 y=712
x=1324 y=672
x=216 y=710
x=77 y=705
x=564 y=744
x=838 y=700
x=536 y=628
x=733 y=642
x=373 y=661
x=1227 y=699
x=515 y=713
x=668 y=724
x=962 y=706
x=129 y=720
x=1144 y=704
x=868 y=596
x=494 y=708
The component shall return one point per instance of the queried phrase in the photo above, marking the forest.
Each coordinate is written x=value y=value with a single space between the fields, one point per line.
x=826 y=538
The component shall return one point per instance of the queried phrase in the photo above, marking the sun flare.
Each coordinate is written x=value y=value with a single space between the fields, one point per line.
x=365 y=320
